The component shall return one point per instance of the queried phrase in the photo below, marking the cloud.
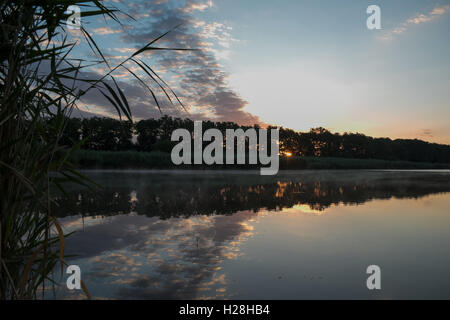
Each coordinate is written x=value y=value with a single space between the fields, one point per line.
x=197 y=77
x=416 y=20
x=105 y=31
x=125 y=50
x=426 y=133
x=194 y=6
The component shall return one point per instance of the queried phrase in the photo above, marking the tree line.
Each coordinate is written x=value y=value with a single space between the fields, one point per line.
x=107 y=134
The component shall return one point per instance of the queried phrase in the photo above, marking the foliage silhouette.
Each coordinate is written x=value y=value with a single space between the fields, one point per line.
x=154 y=134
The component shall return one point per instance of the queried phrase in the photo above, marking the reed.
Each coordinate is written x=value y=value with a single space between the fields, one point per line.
x=40 y=80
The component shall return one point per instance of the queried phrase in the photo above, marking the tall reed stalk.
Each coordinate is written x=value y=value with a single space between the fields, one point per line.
x=40 y=81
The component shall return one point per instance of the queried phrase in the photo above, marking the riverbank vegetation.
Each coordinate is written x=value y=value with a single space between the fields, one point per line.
x=130 y=159
x=146 y=144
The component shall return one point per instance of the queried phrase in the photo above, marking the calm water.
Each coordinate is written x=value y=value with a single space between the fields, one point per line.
x=237 y=235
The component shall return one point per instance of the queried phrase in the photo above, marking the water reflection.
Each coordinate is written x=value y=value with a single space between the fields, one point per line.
x=171 y=195
x=170 y=235
x=149 y=258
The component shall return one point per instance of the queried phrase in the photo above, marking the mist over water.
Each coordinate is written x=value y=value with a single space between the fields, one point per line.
x=236 y=234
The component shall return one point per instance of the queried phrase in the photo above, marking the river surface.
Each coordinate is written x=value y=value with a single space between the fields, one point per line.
x=239 y=235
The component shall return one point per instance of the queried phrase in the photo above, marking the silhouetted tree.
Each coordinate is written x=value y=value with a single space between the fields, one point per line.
x=155 y=134
x=106 y=134
x=147 y=133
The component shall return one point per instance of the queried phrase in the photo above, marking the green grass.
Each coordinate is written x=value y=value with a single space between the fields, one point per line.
x=89 y=159
x=352 y=163
x=121 y=159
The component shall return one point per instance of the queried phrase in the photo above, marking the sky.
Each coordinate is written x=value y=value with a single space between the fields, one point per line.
x=296 y=64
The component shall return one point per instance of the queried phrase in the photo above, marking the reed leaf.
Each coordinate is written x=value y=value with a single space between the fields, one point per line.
x=41 y=82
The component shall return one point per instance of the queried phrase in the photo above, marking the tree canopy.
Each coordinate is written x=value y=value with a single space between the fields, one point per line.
x=154 y=134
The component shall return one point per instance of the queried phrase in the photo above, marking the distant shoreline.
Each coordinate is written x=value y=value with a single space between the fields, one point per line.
x=90 y=159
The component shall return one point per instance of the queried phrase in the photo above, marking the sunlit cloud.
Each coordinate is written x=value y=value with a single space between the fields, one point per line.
x=125 y=50
x=197 y=77
x=416 y=20
x=197 y=6
x=105 y=31
x=427 y=133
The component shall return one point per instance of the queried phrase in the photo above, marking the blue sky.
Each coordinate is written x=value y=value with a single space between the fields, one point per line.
x=298 y=64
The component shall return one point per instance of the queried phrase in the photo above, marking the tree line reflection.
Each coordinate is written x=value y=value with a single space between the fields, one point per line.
x=185 y=196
